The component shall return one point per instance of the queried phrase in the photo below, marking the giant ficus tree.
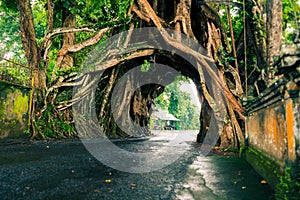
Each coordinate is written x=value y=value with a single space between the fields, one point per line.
x=81 y=24
x=74 y=27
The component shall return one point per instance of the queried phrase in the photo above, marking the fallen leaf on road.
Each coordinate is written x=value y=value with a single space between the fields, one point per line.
x=132 y=185
x=107 y=181
x=264 y=182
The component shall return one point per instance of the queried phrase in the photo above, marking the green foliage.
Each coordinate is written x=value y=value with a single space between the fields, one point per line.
x=145 y=66
x=10 y=41
x=62 y=72
x=11 y=46
x=288 y=187
x=14 y=73
x=40 y=20
x=291 y=19
x=9 y=5
x=100 y=13
x=52 y=124
x=163 y=101
x=236 y=18
x=27 y=132
x=225 y=57
x=179 y=104
x=51 y=64
x=64 y=95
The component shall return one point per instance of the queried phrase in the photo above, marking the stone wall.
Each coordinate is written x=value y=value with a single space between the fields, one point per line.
x=14 y=104
x=272 y=129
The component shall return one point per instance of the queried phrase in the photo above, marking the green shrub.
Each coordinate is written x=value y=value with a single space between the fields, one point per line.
x=288 y=187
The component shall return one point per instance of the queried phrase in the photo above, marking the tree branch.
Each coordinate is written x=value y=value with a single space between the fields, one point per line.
x=182 y=14
x=66 y=30
x=79 y=46
x=145 y=5
x=139 y=14
x=47 y=41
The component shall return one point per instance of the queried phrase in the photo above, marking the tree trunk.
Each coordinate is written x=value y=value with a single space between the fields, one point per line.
x=274 y=34
x=33 y=57
x=205 y=116
x=208 y=30
x=69 y=21
x=30 y=46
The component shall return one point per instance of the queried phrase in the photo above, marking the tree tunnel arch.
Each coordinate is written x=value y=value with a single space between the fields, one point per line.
x=127 y=50
x=194 y=18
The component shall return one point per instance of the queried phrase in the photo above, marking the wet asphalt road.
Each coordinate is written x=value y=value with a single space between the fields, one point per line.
x=66 y=170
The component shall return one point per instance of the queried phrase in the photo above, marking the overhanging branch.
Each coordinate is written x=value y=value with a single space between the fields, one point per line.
x=81 y=45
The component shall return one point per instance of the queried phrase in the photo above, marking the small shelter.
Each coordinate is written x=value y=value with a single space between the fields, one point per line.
x=162 y=119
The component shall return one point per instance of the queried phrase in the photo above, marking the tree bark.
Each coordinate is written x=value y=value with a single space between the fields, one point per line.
x=274 y=35
x=30 y=46
x=32 y=53
x=69 y=21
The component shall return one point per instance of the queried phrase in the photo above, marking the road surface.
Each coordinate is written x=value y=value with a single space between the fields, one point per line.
x=66 y=170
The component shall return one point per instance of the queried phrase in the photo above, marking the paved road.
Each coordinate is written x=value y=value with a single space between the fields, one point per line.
x=66 y=170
